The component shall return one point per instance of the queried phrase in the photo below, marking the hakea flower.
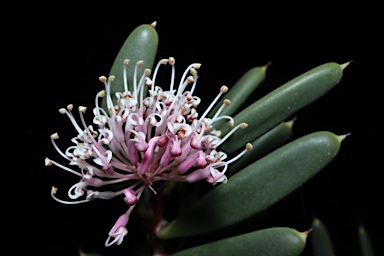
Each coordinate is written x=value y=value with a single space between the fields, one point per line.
x=144 y=140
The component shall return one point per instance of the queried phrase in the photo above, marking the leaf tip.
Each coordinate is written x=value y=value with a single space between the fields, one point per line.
x=343 y=66
x=306 y=233
x=361 y=229
x=289 y=123
x=153 y=24
x=342 y=137
x=303 y=235
x=315 y=221
x=265 y=67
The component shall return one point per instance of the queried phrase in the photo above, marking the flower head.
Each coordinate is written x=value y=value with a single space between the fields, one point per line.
x=160 y=137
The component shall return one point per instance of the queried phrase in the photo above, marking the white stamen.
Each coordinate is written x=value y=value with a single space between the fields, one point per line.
x=82 y=109
x=161 y=62
x=69 y=114
x=48 y=162
x=65 y=168
x=110 y=106
x=225 y=103
x=229 y=122
x=172 y=63
x=181 y=88
x=194 y=65
x=53 y=192
x=138 y=64
x=242 y=126
x=194 y=73
x=97 y=108
x=223 y=89
x=55 y=136
x=141 y=88
x=248 y=147
x=126 y=63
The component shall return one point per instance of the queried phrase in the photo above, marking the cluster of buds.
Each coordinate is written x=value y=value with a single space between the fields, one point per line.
x=144 y=139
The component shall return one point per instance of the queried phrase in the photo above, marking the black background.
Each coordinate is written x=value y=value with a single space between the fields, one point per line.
x=53 y=57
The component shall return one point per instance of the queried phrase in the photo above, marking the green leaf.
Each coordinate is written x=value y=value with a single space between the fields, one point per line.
x=269 y=141
x=321 y=240
x=366 y=246
x=281 y=103
x=257 y=187
x=275 y=241
x=183 y=196
x=239 y=93
x=141 y=44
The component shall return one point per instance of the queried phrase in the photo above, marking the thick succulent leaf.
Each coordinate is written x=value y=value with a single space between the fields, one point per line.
x=281 y=103
x=257 y=187
x=320 y=239
x=269 y=141
x=275 y=241
x=239 y=93
x=183 y=196
x=141 y=44
x=366 y=245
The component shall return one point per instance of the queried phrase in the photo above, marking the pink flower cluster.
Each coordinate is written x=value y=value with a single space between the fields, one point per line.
x=160 y=137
